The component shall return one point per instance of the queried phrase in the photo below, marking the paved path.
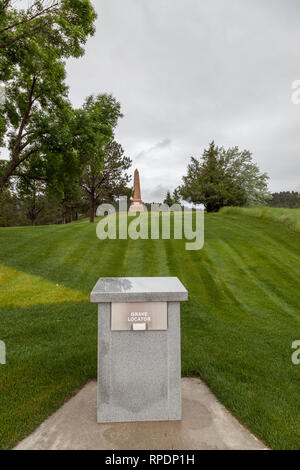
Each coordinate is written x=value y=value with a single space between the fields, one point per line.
x=206 y=424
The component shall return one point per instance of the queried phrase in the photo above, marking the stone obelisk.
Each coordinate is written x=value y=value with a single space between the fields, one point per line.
x=137 y=203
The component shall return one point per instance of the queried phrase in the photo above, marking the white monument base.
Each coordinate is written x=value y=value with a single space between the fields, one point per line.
x=136 y=207
x=139 y=368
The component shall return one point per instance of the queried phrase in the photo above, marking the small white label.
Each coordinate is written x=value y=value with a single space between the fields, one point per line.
x=139 y=326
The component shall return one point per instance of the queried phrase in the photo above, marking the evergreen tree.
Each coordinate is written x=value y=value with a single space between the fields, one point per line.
x=168 y=199
x=176 y=196
x=222 y=178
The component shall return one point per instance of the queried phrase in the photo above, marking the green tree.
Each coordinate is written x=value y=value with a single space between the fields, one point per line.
x=290 y=199
x=240 y=168
x=32 y=195
x=224 y=177
x=55 y=163
x=11 y=213
x=62 y=183
x=101 y=158
x=176 y=196
x=104 y=178
x=169 y=201
x=51 y=213
x=35 y=89
x=65 y=23
x=60 y=162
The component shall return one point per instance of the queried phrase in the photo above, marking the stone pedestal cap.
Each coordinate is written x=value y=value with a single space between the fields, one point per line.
x=139 y=289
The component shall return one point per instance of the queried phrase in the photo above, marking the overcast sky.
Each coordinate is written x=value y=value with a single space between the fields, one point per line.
x=190 y=71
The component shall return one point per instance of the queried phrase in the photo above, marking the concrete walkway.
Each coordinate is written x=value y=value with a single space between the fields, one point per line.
x=206 y=424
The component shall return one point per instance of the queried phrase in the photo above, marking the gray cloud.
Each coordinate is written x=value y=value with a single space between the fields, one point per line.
x=160 y=145
x=195 y=72
x=157 y=193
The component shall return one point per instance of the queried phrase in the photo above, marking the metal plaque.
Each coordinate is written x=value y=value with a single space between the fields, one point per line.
x=139 y=316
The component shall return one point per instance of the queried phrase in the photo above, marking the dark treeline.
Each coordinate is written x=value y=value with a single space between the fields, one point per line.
x=41 y=210
x=288 y=199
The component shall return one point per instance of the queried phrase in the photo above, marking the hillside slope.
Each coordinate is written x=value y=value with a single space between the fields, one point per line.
x=288 y=217
x=237 y=328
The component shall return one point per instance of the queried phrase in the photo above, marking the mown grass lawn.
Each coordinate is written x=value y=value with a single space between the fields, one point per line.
x=237 y=327
x=288 y=217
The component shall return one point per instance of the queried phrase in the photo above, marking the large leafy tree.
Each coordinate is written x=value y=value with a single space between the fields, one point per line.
x=104 y=178
x=224 y=177
x=67 y=23
x=102 y=159
x=57 y=163
x=36 y=94
x=35 y=89
x=244 y=173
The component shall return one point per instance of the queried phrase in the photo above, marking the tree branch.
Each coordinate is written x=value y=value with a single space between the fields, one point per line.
x=28 y=176
x=27 y=20
x=85 y=188
x=6 y=3
x=17 y=146
x=21 y=36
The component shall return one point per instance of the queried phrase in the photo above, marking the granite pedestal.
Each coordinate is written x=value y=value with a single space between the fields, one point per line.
x=139 y=363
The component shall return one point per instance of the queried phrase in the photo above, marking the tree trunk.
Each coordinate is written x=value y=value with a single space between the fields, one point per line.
x=32 y=215
x=15 y=158
x=6 y=175
x=64 y=218
x=92 y=208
